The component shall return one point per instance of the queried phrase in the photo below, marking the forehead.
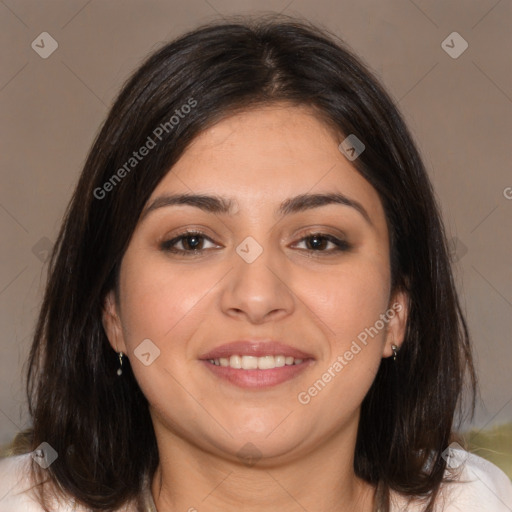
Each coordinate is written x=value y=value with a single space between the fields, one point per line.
x=265 y=155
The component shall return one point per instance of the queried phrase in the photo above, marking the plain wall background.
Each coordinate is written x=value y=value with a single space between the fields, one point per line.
x=459 y=110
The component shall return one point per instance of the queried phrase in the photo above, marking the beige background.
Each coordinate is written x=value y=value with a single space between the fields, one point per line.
x=458 y=109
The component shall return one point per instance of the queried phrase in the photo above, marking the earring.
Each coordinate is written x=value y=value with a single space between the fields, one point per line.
x=394 y=348
x=120 y=369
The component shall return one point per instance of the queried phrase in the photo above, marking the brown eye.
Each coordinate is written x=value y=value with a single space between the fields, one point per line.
x=191 y=242
x=318 y=242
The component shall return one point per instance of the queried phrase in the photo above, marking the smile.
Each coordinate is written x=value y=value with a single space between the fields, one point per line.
x=257 y=372
x=255 y=363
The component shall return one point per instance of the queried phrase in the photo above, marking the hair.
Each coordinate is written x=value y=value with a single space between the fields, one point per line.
x=99 y=423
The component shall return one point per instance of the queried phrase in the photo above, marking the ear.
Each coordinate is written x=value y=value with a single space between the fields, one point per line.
x=112 y=323
x=398 y=311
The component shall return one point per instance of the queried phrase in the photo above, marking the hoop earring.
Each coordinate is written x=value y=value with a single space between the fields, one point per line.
x=394 y=348
x=120 y=369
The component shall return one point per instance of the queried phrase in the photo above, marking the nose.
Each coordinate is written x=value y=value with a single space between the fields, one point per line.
x=259 y=290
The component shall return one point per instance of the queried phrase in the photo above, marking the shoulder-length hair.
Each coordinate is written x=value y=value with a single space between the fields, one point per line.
x=99 y=423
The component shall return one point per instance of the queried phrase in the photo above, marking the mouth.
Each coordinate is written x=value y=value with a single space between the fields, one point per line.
x=252 y=364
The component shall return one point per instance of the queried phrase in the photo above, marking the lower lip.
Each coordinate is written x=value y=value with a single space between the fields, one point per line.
x=258 y=378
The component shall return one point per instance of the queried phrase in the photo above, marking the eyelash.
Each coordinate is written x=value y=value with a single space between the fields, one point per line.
x=340 y=245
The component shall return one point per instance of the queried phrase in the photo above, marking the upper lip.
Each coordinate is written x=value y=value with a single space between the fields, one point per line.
x=256 y=349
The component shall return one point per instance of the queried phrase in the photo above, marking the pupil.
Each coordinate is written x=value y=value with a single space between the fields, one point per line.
x=317 y=242
x=193 y=245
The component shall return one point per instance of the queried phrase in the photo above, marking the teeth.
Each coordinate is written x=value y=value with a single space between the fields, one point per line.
x=250 y=362
x=280 y=361
x=255 y=363
x=265 y=362
x=235 y=361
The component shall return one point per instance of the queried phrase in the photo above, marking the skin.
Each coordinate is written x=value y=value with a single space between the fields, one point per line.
x=316 y=301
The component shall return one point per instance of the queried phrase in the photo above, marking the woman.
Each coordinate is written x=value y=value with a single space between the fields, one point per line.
x=250 y=304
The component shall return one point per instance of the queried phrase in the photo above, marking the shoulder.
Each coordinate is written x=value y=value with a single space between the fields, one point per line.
x=476 y=485
x=479 y=484
x=16 y=488
x=15 y=485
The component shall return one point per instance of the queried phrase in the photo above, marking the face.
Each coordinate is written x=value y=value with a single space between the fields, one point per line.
x=311 y=275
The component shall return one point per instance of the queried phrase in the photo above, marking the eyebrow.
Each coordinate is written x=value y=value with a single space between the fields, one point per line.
x=223 y=205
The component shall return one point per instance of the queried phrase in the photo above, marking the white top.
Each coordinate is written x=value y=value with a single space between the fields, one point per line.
x=481 y=487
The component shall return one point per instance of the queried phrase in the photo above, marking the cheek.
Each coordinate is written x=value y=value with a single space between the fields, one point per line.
x=349 y=306
x=164 y=307
x=158 y=301
x=350 y=302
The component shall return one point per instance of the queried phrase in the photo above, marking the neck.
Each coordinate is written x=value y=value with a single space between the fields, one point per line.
x=189 y=478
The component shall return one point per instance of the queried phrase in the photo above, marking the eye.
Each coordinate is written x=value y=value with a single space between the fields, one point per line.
x=318 y=242
x=192 y=242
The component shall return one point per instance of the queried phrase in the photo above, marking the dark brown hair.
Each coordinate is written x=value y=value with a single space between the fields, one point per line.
x=99 y=423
